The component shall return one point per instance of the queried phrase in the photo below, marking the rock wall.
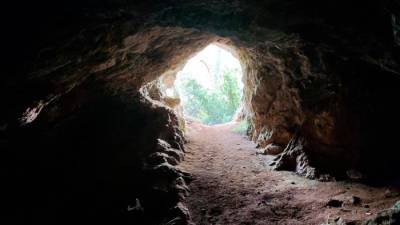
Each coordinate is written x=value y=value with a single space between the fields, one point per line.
x=95 y=157
x=320 y=81
x=291 y=97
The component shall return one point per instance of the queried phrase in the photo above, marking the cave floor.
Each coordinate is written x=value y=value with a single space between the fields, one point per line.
x=234 y=185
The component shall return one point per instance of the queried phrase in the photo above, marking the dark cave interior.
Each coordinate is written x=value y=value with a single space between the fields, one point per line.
x=84 y=131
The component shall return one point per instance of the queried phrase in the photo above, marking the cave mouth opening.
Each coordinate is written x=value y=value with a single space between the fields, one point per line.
x=210 y=86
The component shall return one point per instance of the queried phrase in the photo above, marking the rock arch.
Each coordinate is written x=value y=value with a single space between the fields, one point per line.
x=312 y=88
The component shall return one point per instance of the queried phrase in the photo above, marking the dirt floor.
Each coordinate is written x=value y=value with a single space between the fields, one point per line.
x=234 y=185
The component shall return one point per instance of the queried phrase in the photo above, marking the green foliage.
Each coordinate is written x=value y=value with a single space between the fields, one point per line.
x=241 y=127
x=212 y=106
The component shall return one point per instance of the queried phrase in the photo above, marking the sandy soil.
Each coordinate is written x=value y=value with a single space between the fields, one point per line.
x=234 y=185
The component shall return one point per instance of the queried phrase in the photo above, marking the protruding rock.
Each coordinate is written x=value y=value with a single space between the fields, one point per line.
x=387 y=217
x=180 y=215
x=294 y=158
x=272 y=149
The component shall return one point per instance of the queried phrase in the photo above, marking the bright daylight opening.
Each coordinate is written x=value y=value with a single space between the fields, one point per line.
x=210 y=86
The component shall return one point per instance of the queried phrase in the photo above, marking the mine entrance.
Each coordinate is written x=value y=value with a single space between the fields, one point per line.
x=210 y=86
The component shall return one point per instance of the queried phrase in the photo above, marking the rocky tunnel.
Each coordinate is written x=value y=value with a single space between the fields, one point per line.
x=85 y=134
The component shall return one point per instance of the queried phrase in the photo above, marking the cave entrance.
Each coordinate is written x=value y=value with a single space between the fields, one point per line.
x=210 y=86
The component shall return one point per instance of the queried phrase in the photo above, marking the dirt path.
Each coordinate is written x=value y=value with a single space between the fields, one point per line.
x=233 y=185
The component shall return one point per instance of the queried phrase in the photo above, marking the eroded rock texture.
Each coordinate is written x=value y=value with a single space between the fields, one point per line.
x=388 y=217
x=110 y=159
x=79 y=140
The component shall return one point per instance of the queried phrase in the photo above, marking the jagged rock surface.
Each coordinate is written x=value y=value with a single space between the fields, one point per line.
x=387 y=217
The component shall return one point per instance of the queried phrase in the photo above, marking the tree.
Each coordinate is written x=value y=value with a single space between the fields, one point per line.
x=213 y=106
